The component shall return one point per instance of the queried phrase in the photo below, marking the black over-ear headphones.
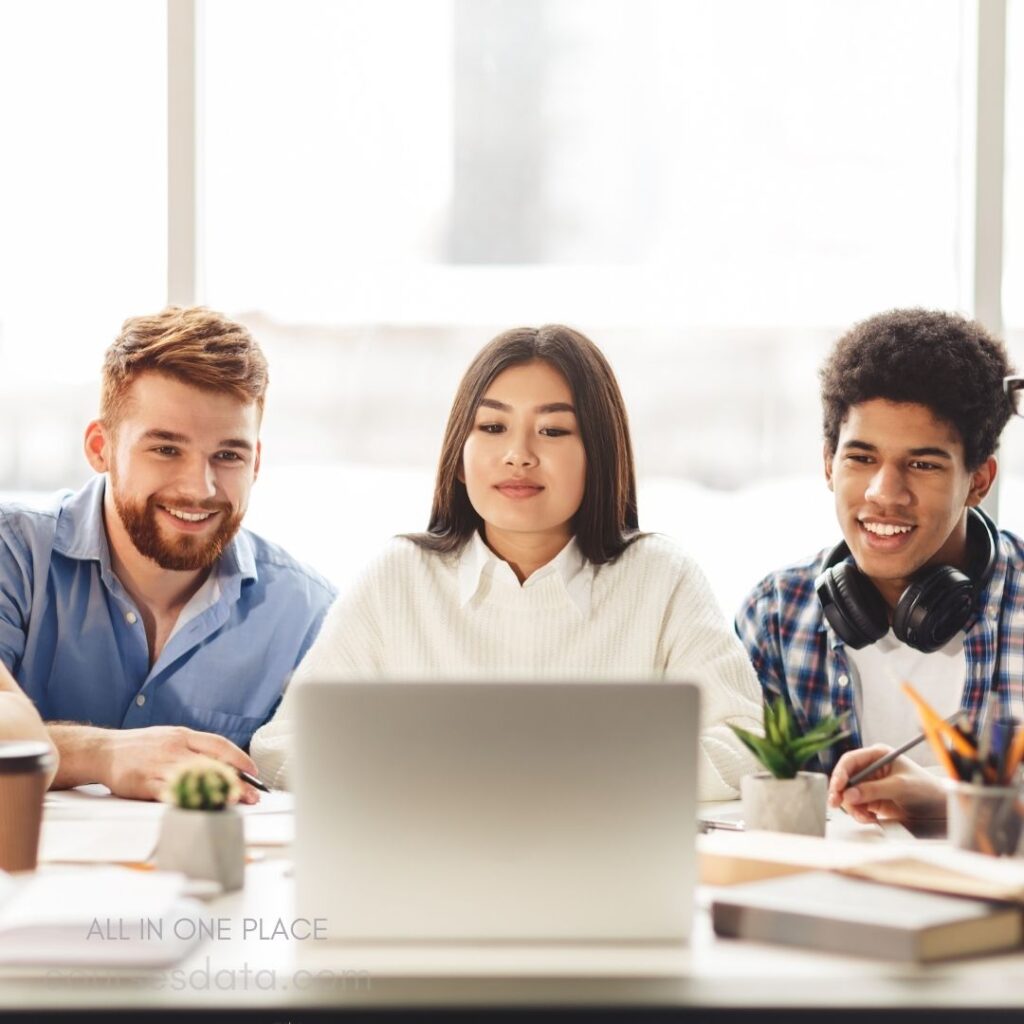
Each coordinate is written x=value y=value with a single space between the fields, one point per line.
x=935 y=606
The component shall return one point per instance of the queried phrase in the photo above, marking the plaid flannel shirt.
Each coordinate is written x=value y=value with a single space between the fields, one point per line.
x=796 y=653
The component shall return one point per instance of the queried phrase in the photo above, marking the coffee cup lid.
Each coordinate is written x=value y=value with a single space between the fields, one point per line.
x=24 y=756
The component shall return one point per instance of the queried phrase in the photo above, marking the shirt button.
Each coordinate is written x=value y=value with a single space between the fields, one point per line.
x=131 y=618
x=141 y=699
x=843 y=680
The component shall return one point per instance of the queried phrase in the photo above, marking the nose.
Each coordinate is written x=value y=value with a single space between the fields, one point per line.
x=198 y=479
x=888 y=487
x=520 y=452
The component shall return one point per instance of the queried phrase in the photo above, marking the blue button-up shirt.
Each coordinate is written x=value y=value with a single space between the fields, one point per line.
x=76 y=643
x=797 y=654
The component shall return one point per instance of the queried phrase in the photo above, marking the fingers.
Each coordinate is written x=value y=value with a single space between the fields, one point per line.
x=849 y=765
x=223 y=750
x=860 y=813
x=873 y=791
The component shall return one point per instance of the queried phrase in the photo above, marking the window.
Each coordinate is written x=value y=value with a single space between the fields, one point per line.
x=389 y=184
x=82 y=210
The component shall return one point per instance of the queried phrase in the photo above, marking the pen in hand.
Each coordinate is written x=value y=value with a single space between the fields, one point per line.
x=252 y=780
x=887 y=759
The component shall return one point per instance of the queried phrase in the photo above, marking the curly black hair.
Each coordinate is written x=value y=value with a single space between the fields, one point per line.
x=941 y=360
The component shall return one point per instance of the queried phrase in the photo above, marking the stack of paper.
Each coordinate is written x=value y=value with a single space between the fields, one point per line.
x=96 y=916
x=90 y=826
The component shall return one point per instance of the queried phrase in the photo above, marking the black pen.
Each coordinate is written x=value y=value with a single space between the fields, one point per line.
x=887 y=759
x=253 y=781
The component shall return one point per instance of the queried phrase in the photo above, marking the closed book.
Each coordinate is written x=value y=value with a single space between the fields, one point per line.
x=833 y=913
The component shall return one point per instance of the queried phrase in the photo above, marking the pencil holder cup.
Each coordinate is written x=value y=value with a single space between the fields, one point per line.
x=985 y=819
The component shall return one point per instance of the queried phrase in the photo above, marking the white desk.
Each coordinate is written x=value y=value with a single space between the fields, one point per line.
x=280 y=978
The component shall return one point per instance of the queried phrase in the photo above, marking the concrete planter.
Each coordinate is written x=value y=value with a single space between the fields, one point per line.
x=785 y=805
x=203 y=844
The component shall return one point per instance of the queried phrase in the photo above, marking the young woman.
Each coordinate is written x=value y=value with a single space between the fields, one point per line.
x=532 y=565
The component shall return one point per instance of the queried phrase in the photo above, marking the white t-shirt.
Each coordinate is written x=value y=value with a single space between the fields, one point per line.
x=884 y=713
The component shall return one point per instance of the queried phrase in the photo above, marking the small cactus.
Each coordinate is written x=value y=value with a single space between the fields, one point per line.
x=202 y=784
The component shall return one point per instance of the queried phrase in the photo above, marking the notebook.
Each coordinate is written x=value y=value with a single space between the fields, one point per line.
x=496 y=811
x=834 y=913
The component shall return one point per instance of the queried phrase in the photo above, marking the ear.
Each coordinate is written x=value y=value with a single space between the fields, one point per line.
x=827 y=455
x=98 y=446
x=981 y=481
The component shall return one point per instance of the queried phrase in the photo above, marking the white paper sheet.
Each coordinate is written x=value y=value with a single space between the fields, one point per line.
x=103 y=840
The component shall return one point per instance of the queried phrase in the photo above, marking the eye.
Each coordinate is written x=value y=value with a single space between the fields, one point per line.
x=228 y=456
x=166 y=449
x=928 y=466
x=554 y=431
x=491 y=428
x=863 y=460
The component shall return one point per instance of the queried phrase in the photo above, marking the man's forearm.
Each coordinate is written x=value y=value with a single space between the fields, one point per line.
x=19 y=719
x=82 y=750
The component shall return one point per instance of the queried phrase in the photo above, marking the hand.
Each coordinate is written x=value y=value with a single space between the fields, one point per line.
x=900 y=790
x=136 y=763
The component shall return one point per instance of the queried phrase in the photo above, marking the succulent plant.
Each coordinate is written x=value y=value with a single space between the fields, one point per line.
x=783 y=749
x=202 y=784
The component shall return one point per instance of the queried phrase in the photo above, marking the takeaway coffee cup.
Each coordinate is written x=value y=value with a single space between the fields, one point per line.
x=24 y=769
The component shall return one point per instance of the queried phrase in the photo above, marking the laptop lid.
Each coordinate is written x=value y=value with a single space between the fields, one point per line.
x=501 y=811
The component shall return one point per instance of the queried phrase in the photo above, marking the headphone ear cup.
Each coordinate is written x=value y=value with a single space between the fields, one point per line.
x=854 y=609
x=934 y=608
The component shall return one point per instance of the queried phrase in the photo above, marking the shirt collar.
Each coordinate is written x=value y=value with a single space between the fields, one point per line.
x=576 y=574
x=80 y=534
x=990 y=600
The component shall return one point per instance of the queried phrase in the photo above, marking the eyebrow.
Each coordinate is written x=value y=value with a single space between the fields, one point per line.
x=493 y=403
x=173 y=438
x=935 y=453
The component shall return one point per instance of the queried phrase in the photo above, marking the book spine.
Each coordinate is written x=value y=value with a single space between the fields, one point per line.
x=788 y=928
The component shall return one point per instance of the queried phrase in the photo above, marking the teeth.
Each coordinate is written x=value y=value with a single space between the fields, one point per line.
x=885 y=529
x=189 y=517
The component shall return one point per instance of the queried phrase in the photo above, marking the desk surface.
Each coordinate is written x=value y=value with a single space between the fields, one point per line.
x=255 y=966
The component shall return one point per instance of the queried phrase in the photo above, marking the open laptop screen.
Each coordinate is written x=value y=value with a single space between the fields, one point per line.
x=504 y=811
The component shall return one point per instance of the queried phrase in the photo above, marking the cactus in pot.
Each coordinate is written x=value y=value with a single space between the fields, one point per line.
x=202 y=835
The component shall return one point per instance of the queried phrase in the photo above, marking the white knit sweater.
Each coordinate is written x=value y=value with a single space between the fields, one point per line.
x=416 y=614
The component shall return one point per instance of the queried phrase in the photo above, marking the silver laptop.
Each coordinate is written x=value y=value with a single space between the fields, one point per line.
x=496 y=811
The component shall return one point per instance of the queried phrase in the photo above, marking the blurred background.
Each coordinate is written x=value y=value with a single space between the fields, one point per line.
x=712 y=191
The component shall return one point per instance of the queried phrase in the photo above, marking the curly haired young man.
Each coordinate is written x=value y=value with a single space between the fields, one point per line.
x=923 y=586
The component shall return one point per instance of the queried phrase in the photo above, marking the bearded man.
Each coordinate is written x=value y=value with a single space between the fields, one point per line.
x=144 y=623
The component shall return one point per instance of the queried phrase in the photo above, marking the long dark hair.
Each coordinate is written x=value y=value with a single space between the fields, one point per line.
x=606 y=522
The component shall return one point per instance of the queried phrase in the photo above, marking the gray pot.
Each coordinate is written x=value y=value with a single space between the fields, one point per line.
x=203 y=844
x=785 y=805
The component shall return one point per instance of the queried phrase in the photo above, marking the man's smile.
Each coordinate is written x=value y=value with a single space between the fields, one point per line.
x=879 y=535
x=189 y=517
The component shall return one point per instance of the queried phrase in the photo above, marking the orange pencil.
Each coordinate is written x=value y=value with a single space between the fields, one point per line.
x=927 y=713
x=961 y=743
x=930 y=722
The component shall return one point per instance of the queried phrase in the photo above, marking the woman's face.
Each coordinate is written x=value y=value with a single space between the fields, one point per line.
x=523 y=463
